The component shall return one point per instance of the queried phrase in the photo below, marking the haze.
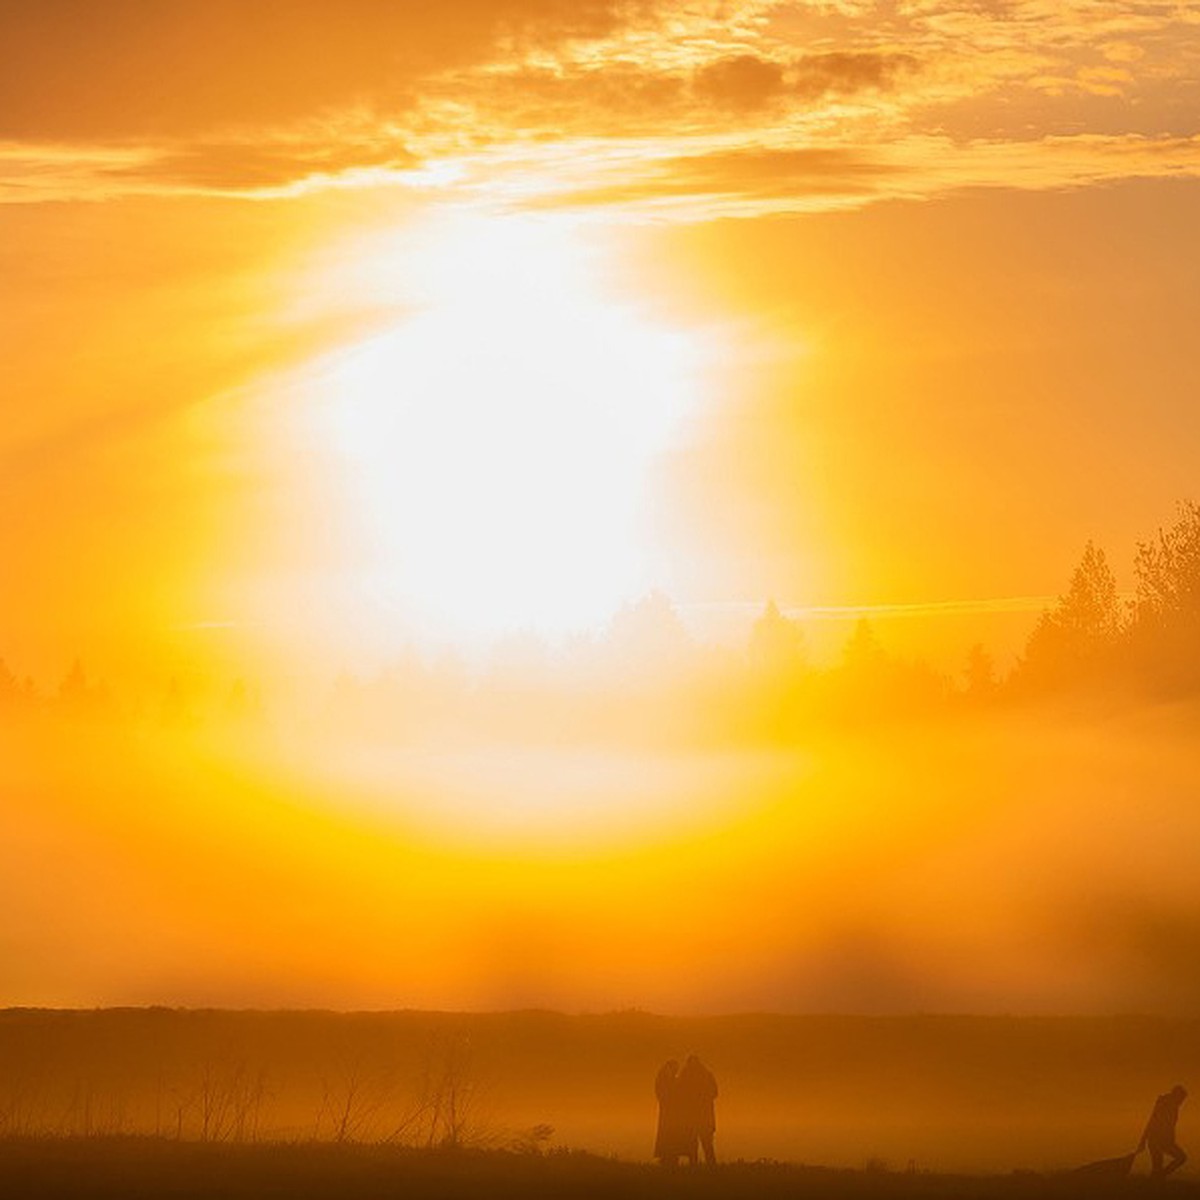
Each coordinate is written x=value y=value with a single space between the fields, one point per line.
x=551 y=503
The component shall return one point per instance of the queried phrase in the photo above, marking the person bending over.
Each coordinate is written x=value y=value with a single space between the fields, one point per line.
x=1159 y=1135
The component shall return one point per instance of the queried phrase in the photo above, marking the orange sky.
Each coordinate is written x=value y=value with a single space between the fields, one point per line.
x=945 y=254
x=840 y=302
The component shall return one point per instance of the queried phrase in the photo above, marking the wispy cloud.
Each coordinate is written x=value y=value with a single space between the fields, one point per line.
x=672 y=109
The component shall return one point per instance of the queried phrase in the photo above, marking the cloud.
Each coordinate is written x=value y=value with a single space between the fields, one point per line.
x=72 y=70
x=674 y=109
x=58 y=173
x=743 y=80
x=733 y=181
x=224 y=167
x=780 y=180
x=843 y=72
x=40 y=172
x=632 y=179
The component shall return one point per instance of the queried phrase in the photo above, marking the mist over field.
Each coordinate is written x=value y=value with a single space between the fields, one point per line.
x=1011 y=860
x=944 y=1093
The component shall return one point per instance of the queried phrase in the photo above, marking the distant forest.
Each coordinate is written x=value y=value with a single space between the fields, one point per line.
x=646 y=678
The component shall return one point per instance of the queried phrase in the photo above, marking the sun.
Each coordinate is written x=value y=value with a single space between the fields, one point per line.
x=495 y=447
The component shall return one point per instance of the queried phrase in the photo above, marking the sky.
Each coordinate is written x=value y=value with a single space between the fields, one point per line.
x=933 y=264
x=333 y=330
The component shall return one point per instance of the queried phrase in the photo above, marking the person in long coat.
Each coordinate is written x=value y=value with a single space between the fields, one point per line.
x=672 y=1139
x=696 y=1090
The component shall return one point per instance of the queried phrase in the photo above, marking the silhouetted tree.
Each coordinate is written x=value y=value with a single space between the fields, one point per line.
x=1167 y=570
x=863 y=654
x=871 y=685
x=10 y=688
x=1071 y=637
x=449 y=1095
x=243 y=703
x=775 y=652
x=78 y=697
x=73 y=691
x=1166 y=633
x=177 y=711
x=649 y=633
x=776 y=643
x=980 y=673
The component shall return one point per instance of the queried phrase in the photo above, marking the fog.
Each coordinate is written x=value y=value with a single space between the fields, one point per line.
x=590 y=850
x=936 y=1093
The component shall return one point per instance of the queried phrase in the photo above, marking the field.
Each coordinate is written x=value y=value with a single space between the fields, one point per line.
x=139 y=1167
x=897 y=1096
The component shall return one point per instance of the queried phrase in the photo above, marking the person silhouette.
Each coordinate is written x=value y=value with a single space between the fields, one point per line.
x=696 y=1089
x=671 y=1138
x=1159 y=1134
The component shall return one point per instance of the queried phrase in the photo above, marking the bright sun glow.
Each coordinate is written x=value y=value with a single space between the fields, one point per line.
x=497 y=443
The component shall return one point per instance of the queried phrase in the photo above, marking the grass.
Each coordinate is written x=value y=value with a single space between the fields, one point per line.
x=137 y=1168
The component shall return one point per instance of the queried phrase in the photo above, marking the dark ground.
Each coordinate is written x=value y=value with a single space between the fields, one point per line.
x=140 y=1168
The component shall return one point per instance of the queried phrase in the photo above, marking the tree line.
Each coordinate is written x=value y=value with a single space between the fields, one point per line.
x=1148 y=642
x=645 y=673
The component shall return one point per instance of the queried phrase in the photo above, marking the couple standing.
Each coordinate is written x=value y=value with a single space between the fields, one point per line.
x=686 y=1115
